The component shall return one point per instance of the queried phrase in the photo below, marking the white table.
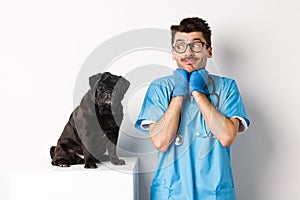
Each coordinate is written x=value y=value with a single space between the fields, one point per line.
x=45 y=182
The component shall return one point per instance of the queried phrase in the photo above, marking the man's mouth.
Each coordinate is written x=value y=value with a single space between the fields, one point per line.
x=189 y=61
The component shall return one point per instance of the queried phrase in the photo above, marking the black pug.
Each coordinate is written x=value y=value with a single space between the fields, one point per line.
x=93 y=126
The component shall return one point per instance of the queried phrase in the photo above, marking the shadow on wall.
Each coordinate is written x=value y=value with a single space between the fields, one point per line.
x=252 y=151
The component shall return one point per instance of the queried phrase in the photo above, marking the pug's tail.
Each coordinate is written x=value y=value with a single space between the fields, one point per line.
x=52 y=151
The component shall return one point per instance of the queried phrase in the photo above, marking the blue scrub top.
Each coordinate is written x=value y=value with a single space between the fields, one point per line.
x=199 y=168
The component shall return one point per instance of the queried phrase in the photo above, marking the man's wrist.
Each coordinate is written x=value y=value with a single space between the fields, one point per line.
x=198 y=95
x=177 y=100
x=175 y=104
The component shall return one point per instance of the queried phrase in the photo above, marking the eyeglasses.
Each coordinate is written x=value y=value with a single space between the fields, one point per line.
x=180 y=46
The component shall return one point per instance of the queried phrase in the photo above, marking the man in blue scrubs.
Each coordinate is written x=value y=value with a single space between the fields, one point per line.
x=192 y=118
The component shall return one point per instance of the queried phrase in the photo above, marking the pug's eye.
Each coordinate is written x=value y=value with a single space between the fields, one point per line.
x=100 y=89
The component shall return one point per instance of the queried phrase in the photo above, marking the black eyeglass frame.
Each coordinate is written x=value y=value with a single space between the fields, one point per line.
x=188 y=44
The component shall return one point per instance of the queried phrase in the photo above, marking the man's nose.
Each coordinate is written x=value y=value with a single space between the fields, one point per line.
x=188 y=51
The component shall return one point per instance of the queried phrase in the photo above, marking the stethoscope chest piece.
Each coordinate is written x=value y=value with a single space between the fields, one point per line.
x=178 y=140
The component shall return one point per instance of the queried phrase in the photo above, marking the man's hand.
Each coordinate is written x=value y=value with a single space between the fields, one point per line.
x=198 y=81
x=181 y=79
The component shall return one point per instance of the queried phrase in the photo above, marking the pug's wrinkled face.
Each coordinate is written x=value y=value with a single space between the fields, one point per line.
x=110 y=89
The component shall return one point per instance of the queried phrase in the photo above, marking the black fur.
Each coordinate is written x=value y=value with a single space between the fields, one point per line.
x=93 y=126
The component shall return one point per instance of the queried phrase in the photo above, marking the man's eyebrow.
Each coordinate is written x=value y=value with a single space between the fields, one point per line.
x=182 y=40
x=197 y=39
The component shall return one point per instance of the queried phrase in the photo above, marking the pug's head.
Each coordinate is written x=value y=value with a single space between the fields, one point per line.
x=108 y=90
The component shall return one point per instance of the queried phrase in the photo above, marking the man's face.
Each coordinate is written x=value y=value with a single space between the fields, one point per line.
x=191 y=60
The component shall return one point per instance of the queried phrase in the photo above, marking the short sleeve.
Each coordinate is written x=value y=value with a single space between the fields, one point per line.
x=155 y=104
x=234 y=106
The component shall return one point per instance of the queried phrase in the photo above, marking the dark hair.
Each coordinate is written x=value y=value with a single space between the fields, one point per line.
x=193 y=24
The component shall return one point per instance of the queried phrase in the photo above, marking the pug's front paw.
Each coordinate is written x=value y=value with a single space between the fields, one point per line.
x=117 y=161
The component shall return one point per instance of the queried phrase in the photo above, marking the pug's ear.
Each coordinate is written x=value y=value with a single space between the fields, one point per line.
x=123 y=84
x=93 y=79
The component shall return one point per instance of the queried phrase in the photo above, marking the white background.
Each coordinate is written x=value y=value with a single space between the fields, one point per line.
x=44 y=43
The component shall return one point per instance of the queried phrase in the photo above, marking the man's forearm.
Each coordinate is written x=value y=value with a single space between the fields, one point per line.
x=163 y=132
x=224 y=129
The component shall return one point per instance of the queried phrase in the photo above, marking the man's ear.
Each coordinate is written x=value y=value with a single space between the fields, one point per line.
x=209 y=50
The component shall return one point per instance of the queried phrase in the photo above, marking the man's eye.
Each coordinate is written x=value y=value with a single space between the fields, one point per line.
x=197 y=45
x=180 y=46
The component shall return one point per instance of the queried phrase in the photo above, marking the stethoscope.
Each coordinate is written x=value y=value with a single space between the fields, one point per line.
x=179 y=139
